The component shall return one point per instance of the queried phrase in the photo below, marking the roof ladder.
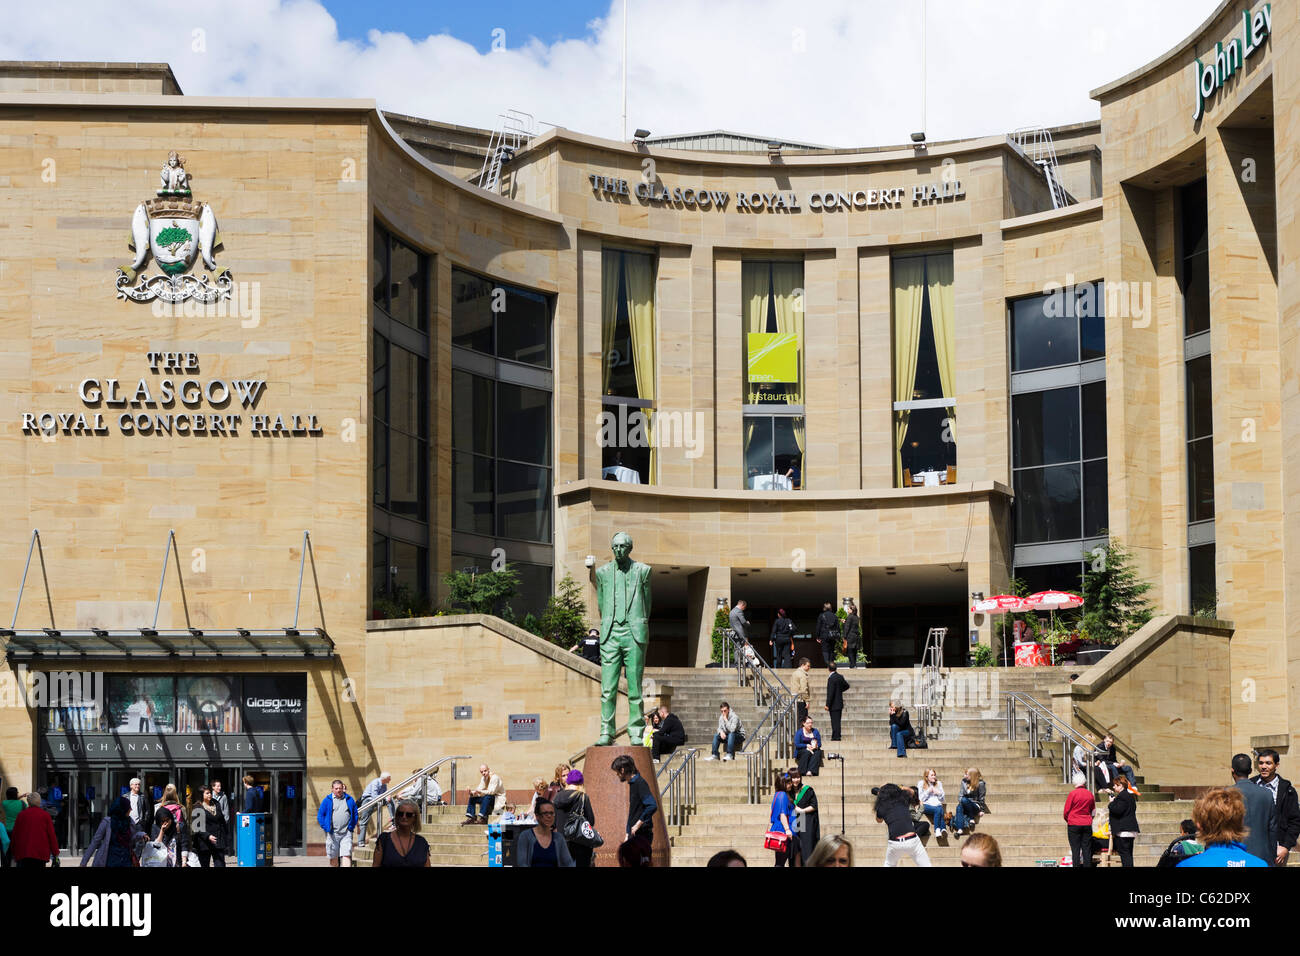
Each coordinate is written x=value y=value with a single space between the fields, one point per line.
x=514 y=130
x=1036 y=142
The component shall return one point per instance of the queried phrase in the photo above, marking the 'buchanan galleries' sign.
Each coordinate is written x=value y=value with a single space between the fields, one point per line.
x=829 y=200
x=1208 y=78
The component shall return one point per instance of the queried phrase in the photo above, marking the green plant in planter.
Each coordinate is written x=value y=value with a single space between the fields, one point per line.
x=721 y=621
x=1114 y=596
x=1209 y=608
x=982 y=656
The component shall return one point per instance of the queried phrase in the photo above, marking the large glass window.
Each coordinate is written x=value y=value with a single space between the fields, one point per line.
x=1194 y=276
x=628 y=366
x=773 y=452
x=773 y=313
x=1204 y=586
x=1063 y=327
x=1058 y=434
x=501 y=458
x=500 y=319
x=925 y=370
x=1200 y=441
x=400 y=415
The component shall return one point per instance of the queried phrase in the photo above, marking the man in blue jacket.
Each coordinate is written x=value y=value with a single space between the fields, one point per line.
x=337 y=816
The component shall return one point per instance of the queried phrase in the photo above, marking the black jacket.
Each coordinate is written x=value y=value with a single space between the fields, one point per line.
x=900 y=720
x=1261 y=820
x=204 y=825
x=1123 y=814
x=828 y=625
x=641 y=805
x=1288 y=813
x=253 y=802
x=673 y=730
x=782 y=630
x=182 y=831
x=852 y=630
x=836 y=685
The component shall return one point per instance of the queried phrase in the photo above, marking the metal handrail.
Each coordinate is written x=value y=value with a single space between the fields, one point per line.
x=422 y=775
x=677 y=794
x=758 y=760
x=932 y=690
x=732 y=654
x=1037 y=714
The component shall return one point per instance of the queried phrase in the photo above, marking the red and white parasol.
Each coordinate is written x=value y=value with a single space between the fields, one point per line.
x=999 y=604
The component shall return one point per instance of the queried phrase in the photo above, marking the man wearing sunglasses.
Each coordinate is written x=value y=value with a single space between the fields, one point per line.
x=337 y=816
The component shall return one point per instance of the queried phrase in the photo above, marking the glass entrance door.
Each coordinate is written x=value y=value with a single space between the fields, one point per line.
x=155 y=784
x=289 y=812
x=91 y=803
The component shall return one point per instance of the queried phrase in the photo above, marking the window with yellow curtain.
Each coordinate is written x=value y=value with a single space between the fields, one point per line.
x=772 y=307
x=925 y=412
x=628 y=366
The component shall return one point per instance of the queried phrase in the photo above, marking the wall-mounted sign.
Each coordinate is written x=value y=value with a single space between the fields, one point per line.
x=697 y=197
x=212 y=749
x=1208 y=78
x=141 y=403
x=462 y=712
x=524 y=727
x=176 y=230
x=773 y=356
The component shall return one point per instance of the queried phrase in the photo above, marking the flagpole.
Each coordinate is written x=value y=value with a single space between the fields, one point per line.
x=624 y=69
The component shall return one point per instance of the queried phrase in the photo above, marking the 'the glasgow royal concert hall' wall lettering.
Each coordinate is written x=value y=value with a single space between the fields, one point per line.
x=205 y=406
x=829 y=200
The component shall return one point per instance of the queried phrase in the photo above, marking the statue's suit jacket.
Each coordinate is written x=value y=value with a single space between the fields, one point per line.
x=638 y=606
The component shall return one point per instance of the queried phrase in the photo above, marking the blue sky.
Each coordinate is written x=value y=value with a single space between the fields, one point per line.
x=841 y=72
x=471 y=22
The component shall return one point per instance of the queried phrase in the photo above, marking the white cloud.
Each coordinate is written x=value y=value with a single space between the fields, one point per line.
x=840 y=72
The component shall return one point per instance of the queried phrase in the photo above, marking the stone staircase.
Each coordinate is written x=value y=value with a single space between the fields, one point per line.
x=1025 y=795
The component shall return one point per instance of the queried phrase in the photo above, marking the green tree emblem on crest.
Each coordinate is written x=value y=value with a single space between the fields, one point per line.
x=173 y=237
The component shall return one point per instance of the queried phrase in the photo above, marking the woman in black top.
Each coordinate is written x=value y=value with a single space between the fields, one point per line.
x=403 y=846
x=807 y=823
x=208 y=828
x=573 y=799
x=1123 y=820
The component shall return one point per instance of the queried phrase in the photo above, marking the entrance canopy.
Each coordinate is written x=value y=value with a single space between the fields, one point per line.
x=284 y=643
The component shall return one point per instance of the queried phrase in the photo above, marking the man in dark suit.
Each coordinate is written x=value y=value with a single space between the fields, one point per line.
x=836 y=685
x=739 y=623
x=1284 y=799
x=828 y=633
x=670 y=735
x=1261 y=814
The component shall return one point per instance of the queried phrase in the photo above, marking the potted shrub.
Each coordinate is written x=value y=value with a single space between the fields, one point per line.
x=1114 y=601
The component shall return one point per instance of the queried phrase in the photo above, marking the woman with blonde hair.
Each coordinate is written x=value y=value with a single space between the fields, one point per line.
x=540 y=787
x=930 y=792
x=970 y=801
x=833 y=850
x=557 y=780
x=403 y=845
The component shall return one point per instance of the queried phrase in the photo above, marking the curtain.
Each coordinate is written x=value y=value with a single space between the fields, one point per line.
x=939 y=275
x=909 y=294
x=638 y=278
x=787 y=283
x=609 y=273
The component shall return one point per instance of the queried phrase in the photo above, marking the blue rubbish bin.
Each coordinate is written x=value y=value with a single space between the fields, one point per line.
x=252 y=839
x=495 y=842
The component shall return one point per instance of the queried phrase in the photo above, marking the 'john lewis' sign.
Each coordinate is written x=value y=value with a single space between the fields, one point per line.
x=1208 y=78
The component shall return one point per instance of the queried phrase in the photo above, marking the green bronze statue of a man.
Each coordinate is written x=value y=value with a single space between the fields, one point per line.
x=623 y=595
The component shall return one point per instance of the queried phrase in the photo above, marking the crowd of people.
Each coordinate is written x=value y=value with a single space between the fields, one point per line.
x=1253 y=822
x=134 y=831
